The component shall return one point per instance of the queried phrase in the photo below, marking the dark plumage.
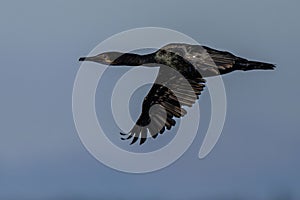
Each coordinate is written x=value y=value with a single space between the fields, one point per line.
x=179 y=83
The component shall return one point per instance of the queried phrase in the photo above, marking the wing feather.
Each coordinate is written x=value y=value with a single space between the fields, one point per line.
x=163 y=103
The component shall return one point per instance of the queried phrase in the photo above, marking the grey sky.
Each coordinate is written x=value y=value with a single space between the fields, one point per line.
x=41 y=155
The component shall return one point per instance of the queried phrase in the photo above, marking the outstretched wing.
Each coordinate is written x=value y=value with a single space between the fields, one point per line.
x=208 y=61
x=170 y=92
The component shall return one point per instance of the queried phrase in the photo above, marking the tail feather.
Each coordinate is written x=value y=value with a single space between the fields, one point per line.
x=246 y=65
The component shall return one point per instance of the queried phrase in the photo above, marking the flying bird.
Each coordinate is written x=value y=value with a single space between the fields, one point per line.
x=180 y=81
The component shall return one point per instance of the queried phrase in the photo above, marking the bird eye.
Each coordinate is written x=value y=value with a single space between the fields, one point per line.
x=104 y=56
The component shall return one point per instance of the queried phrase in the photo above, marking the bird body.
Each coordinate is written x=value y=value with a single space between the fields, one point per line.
x=179 y=83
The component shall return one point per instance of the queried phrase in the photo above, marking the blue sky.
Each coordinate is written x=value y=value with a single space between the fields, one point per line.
x=41 y=156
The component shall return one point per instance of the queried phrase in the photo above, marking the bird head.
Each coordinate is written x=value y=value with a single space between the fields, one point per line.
x=106 y=58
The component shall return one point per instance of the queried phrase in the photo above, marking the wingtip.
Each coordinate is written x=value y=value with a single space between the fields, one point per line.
x=142 y=141
x=122 y=133
x=134 y=140
x=131 y=143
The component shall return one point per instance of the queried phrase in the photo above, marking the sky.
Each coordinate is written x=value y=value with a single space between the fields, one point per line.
x=41 y=155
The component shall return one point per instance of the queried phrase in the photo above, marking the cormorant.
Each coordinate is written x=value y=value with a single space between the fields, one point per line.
x=178 y=87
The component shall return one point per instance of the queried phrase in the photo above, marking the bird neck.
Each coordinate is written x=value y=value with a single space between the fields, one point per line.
x=131 y=59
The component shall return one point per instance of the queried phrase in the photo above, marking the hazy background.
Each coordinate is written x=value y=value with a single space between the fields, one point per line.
x=41 y=156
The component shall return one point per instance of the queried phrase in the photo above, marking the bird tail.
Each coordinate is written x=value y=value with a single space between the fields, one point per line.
x=243 y=64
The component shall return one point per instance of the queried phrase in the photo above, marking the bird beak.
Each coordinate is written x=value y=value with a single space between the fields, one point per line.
x=87 y=59
x=97 y=59
x=82 y=59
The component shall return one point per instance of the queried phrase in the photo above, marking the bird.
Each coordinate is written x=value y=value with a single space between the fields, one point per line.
x=180 y=80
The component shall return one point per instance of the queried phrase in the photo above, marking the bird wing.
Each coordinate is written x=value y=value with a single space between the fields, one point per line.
x=170 y=92
x=208 y=61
